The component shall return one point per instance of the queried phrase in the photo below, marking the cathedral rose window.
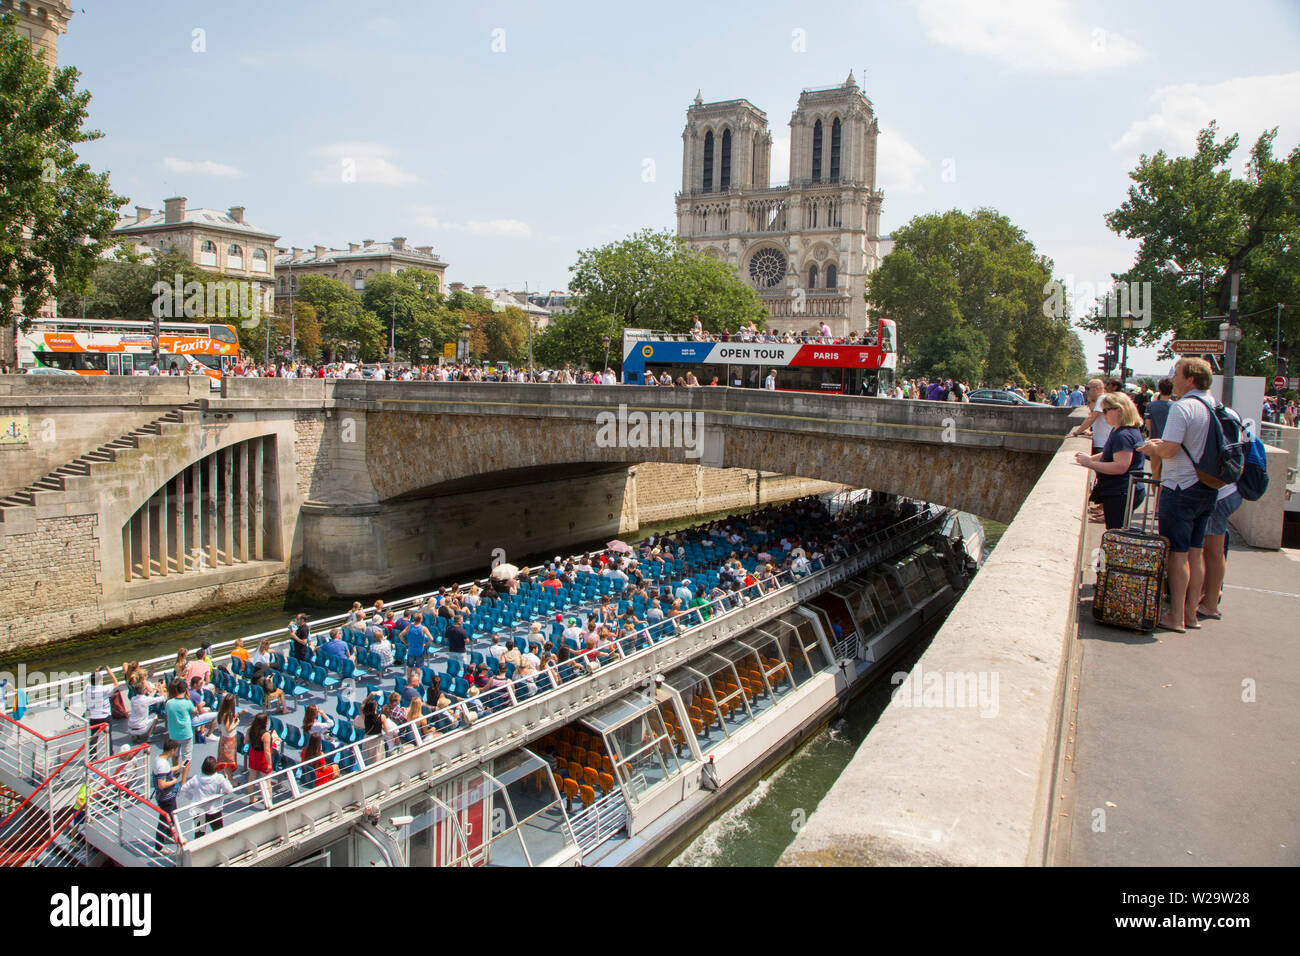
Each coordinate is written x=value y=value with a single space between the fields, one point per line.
x=767 y=268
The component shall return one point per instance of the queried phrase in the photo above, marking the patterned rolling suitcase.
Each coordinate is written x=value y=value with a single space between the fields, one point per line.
x=1131 y=572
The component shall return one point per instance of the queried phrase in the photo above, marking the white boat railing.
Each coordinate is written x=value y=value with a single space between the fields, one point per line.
x=45 y=829
x=595 y=824
x=27 y=757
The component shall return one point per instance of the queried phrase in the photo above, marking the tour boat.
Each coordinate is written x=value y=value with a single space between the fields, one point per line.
x=620 y=762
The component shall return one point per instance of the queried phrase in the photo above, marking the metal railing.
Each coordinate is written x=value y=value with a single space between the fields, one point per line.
x=593 y=825
x=44 y=830
x=127 y=825
x=28 y=757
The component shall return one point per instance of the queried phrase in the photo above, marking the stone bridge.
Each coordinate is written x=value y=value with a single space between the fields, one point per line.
x=137 y=499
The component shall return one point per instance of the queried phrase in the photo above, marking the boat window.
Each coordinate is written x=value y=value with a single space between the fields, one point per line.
x=732 y=701
x=776 y=670
x=890 y=597
x=436 y=836
x=701 y=709
x=750 y=673
x=643 y=753
x=791 y=649
x=536 y=803
x=812 y=647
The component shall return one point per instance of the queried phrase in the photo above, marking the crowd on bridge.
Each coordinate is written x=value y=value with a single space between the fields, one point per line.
x=1170 y=432
x=461 y=654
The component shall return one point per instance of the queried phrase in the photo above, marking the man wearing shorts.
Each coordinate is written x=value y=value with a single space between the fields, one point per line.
x=1185 y=503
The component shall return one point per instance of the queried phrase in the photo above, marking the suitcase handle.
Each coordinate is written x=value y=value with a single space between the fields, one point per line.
x=1134 y=482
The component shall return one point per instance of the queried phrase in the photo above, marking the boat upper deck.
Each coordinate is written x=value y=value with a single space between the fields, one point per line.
x=718 y=561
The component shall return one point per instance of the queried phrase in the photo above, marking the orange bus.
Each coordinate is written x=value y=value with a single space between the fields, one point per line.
x=112 y=347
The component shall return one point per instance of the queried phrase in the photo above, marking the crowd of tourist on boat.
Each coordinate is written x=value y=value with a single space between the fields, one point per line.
x=458 y=655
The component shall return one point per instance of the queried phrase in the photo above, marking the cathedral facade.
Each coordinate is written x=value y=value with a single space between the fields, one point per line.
x=806 y=246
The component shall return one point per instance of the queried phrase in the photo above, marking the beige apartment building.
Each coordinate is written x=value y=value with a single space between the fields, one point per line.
x=355 y=264
x=806 y=245
x=220 y=242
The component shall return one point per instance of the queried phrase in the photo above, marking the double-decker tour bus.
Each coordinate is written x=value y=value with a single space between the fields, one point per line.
x=865 y=368
x=123 y=347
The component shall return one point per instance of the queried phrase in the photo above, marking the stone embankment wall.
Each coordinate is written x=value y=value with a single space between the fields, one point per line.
x=62 y=425
x=946 y=778
x=666 y=492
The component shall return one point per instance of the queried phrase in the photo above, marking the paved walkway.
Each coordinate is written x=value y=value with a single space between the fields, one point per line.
x=1187 y=767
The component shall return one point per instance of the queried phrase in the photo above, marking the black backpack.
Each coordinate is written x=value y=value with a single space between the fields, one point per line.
x=1224 y=456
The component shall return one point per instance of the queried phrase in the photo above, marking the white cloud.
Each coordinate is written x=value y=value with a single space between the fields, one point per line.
x=513 y=228
x=1247 y=105
x=899 y=163
x=205 y=167
x=360 y=163
x=1041 y=35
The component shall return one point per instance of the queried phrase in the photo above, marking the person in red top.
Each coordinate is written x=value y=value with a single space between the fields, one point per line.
x=551 y=581
x=311 y=755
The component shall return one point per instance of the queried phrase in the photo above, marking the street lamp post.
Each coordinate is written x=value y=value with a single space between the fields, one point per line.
x=293 y=339
x=464 y=342
x=392 y=339
x=606 y=340
x=1277 y=355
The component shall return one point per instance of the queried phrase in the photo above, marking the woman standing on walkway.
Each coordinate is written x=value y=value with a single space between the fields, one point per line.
x=1118 y=460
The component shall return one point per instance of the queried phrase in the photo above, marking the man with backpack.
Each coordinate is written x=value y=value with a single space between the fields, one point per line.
x=1249 y=487
x=1186 y=503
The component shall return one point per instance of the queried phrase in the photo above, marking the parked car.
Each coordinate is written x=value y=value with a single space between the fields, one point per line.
x=49 y=370
x=998 y=396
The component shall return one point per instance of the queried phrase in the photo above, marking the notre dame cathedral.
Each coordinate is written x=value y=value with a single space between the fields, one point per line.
x=806 y=246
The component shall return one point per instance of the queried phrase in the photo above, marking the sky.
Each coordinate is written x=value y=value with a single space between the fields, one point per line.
x=510 y=136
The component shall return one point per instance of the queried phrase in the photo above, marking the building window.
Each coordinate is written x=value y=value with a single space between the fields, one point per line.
x=234 y=257
x=817 y=152
x=259 y=260
x=835 y=150
x=293 y=283
x=207 y=253
x=360 y=281
x=708 y=161
x=812 y=276
x=831 y=277
x=726 y=159
x=281 y=285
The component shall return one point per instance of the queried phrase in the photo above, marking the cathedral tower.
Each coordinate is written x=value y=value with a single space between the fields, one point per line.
x=807 y=245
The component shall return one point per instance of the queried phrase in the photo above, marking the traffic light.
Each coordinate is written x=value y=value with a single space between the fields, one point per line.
x=1110 y=359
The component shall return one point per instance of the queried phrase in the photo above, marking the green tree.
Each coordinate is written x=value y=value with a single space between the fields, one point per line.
x=1191 y=214
x=648 y=280
x=56 y=215
x=967 y=293
x=410 y=302
x=339 y=314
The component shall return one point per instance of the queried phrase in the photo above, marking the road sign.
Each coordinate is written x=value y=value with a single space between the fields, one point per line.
x=449 y=350
x=1279 y=383
x=1197 y=347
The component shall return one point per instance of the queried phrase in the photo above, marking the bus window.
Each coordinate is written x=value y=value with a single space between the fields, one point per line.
x=74 y=361
x=222 y=333
x=809 y=379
